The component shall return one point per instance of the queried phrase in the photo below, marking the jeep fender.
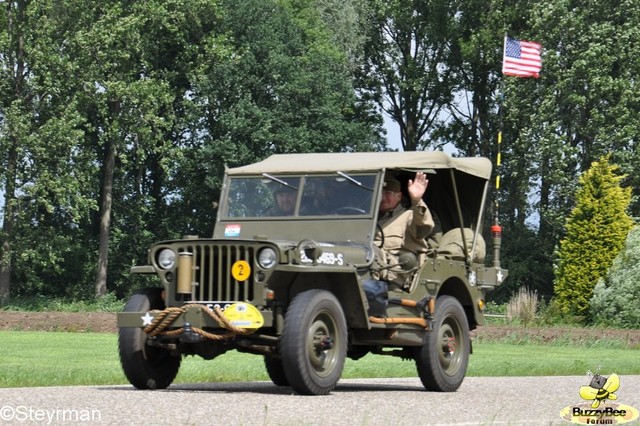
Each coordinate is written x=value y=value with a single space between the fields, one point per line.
x=342 y=282
x=456 y=288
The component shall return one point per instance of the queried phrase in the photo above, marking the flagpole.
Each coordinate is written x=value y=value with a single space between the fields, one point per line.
x=496 y=229
x=499 y=141
x=501 y=97
x=520 y=58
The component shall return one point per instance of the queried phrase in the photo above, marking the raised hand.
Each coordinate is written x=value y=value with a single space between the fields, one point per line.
x=417 y=187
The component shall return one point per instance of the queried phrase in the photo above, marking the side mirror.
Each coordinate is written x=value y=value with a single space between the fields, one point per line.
x=309 y=250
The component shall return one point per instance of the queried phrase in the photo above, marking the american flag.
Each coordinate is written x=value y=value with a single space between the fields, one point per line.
x=521 y=58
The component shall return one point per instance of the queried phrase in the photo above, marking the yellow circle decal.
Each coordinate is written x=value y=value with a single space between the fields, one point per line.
x=241 y=270
x=244 y=315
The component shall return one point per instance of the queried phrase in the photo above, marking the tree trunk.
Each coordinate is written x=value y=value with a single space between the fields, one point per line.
x=15 y=18
x=7 y=227
x=105 y=219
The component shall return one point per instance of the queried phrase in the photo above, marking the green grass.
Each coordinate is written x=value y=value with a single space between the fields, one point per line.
x=60 y=359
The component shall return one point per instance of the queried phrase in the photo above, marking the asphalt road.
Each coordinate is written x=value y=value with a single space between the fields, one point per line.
x=370 y=402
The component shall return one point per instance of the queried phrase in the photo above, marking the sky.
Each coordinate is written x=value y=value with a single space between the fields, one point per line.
x=393 y=133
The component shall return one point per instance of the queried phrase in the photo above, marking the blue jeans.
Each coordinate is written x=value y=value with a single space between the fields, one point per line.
x=377 y=293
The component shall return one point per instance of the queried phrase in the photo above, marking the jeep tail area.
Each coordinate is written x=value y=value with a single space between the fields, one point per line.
x=287 y=285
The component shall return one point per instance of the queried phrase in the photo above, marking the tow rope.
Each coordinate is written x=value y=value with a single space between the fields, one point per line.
x=165 y=318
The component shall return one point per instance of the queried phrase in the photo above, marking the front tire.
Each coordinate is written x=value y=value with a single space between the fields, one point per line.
x=145 y=367
x=314 y=342
x=442 y=361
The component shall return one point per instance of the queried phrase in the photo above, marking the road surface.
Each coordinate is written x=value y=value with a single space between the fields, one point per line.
x=362 y=402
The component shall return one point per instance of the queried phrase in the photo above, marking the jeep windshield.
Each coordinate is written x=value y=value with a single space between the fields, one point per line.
x=299 y=196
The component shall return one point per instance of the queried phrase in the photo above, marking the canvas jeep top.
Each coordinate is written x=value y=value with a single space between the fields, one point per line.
x=282 y=274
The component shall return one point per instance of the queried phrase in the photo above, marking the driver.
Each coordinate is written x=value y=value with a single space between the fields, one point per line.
x=285 y=202
x=400 y=229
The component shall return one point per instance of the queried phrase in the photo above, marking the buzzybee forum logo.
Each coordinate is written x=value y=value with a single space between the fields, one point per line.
x=599 y=407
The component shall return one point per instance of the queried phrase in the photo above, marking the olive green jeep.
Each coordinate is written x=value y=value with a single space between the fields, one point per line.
x=282 y=276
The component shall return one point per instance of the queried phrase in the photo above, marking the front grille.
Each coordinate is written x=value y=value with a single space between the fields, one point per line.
x=212 y=272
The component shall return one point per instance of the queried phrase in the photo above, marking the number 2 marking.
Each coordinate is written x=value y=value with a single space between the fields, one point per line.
x=241 y=270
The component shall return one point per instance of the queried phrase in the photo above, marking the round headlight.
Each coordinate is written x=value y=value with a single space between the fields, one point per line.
x=166 y=258
x=267 y=258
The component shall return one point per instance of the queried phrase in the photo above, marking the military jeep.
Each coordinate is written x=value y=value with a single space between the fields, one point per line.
x=287 y=283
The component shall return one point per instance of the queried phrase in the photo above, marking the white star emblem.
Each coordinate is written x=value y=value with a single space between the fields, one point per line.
x=499 y=276
x=146 y=319
x=472 y=278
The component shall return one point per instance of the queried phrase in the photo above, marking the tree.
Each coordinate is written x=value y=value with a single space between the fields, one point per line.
x=120 y=103
x=127 y=114
x=176 y=40
x=595 y=233
x=583 y=106
x=613 y=298
x=35 y=138
x=473 y=113
x=585 y=101
x=343 y=20
x=281 y=86
x=408 y=71
x=485 y=103
x=14 y=100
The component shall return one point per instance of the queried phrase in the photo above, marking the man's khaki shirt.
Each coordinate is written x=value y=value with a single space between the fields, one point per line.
x=404 y=230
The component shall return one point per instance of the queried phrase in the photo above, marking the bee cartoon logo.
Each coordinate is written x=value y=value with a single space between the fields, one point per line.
x=600 y=389
x=598 y=406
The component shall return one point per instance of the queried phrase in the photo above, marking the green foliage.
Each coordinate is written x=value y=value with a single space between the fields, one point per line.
x=494 y=308
x=548 y=314
x=40 y=303
x=281 y=85
x=551 y=314
x=183 y=89
x=528 y=260
x=615 y=296
x=474 y=112
x=583 y=106
x=407 y=67
x=177 y=91
x=595 y=233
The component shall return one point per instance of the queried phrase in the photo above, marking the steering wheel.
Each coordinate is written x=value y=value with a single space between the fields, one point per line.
x=379 y=228
x=348 y=210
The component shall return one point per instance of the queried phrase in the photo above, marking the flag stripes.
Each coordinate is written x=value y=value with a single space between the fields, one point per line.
x=521 y=58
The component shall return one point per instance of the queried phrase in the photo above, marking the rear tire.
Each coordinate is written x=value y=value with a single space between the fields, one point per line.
x=145 y=367
x=314 y=342
x=442 y=361
x=275 y=370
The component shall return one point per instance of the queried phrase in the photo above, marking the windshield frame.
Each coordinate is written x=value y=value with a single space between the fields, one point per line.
x=255 y=196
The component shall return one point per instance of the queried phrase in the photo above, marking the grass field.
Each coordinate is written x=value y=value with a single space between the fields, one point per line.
x=61 y=359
